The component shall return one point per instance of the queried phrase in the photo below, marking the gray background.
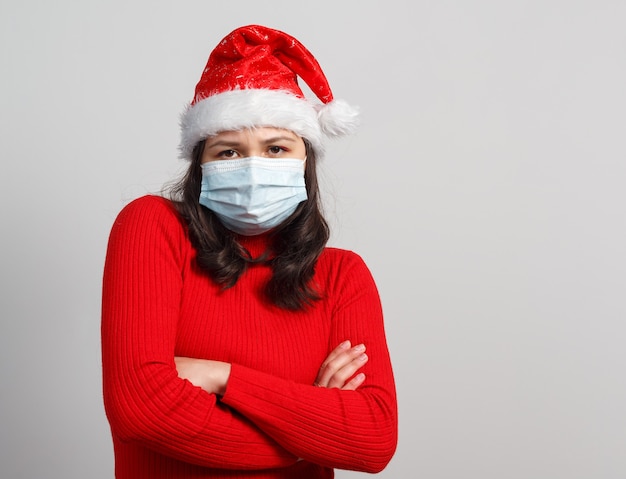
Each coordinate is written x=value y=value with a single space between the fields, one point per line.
x=485 y=190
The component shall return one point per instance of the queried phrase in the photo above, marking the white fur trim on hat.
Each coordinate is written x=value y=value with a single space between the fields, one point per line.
x=337 y=118
x=240 y=109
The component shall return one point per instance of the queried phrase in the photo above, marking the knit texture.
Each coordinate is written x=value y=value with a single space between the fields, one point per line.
x=271 y=422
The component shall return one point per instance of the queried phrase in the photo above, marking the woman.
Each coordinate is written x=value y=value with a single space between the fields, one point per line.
x=233 y=339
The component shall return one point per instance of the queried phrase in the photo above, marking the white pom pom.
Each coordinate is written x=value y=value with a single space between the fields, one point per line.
x=337 y=118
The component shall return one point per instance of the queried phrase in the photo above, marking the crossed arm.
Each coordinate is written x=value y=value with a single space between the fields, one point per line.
x=248 y=419
x=337 y=371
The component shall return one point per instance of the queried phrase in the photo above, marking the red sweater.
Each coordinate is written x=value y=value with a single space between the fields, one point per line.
x=271 y=422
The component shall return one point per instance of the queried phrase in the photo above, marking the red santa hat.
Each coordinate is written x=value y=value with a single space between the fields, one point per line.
x=250 y=80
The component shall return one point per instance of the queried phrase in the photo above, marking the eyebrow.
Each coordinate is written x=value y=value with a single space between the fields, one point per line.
x=223 y=144
x=276 y=139
x=234 y=143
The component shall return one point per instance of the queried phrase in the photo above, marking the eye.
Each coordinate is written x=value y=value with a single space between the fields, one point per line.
x=276 y=150
x=227 y=154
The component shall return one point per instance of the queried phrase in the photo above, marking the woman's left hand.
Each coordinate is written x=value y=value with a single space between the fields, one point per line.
x=338 y=370
x=212 y=376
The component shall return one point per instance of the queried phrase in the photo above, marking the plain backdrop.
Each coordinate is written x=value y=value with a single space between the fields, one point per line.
x=485 y=190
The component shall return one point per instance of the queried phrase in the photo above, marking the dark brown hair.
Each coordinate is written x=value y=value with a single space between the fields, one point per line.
x=295 y=245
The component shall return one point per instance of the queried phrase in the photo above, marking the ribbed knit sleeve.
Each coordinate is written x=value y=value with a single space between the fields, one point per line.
x=145 y=400
x=342 y=429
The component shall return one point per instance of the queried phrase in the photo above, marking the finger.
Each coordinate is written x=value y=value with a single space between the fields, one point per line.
x=354 y=383
x=322 y=378
x=342 y=375
x=331 y=367
x=342 y=348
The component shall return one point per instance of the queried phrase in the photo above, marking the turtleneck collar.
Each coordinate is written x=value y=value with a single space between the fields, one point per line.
x=256 y=245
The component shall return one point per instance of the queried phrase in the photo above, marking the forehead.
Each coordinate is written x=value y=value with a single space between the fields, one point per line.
x=259 y=133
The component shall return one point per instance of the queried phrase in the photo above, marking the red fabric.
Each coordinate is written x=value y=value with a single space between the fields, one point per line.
x=256 y=57
x=271 y=422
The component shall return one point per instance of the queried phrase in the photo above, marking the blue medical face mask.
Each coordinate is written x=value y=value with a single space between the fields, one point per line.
x=253 y=195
